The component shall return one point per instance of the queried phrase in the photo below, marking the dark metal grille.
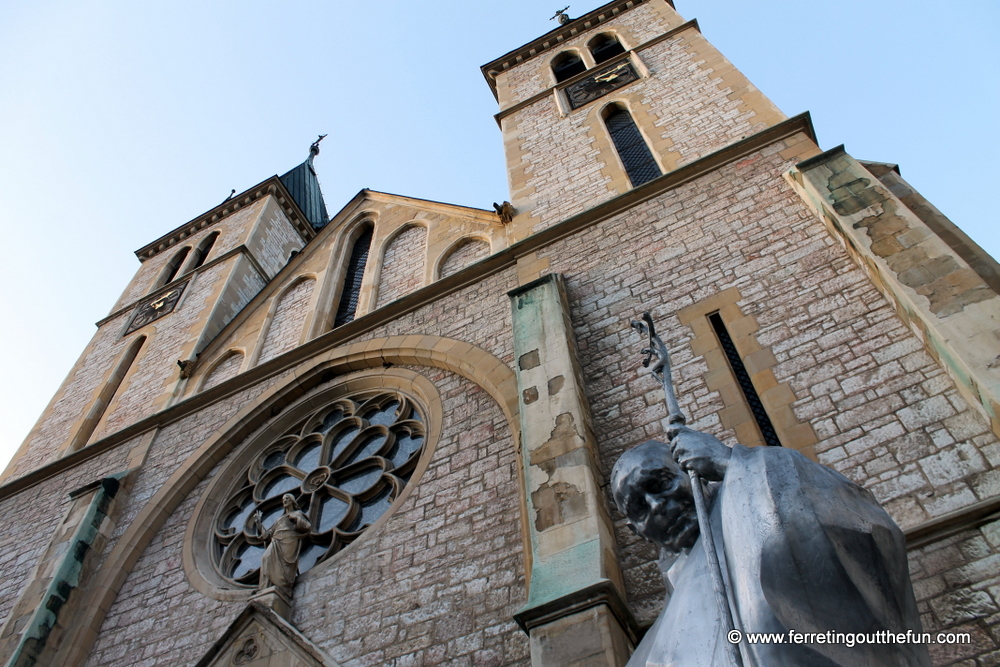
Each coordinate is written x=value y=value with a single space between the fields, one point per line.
x=568 y=67
x=352 y=282
x=605 y=48
x=743 y=378
x=639 y=163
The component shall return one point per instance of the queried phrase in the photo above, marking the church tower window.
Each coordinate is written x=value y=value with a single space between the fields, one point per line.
x=567 y=65
x=352 y=281
x=172 y=267
x=201 y=253
x=632 y=149
x=605 y=47
x=743 y=379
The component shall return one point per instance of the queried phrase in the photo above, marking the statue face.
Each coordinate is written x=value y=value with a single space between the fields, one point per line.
x=655 y=496
x=288 y=502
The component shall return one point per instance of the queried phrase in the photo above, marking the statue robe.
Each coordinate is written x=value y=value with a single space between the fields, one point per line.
x=279 y=564
x=801 y=548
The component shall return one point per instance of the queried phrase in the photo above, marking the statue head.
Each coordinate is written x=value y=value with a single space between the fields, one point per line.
x=288 y=502
x=655 y=496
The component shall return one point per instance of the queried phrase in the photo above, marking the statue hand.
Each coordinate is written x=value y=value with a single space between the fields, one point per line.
x=703 y=453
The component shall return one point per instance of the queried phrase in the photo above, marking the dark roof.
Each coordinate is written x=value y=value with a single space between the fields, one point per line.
x=303 y=185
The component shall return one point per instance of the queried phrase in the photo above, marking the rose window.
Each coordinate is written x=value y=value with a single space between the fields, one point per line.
x=345 y=464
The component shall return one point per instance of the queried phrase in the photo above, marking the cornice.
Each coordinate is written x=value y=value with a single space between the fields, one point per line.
x=472 y=274
x=271 y=186
x=555 y=37
x=503 y=113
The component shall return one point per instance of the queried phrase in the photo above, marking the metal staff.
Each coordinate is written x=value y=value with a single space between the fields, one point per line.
x=675 y=416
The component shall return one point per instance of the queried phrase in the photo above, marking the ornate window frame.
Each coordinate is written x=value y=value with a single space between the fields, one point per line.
x=199 y=559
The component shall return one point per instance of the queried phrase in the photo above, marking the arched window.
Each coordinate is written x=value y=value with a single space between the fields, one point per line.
x=352 y=280
x=566 y=65
x=172 y=267
x=104 y=399
x=632 y=149
x=605 y=47
x=201 y=253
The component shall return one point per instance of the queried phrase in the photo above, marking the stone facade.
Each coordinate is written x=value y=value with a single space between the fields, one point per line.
x=862 y=317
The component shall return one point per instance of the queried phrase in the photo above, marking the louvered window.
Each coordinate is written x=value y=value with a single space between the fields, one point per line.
x=352 y=281
x=605 y=47
x=567 y=65
x=638 y=161
x=743 y=378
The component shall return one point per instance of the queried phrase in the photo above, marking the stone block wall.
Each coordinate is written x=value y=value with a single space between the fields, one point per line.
x=225 y=369
x=273 y=238
x=885 y=413
x=403 y=264
x=634 y=27
x=285 y=329
x=465 y=253
x=957 y=584
x=439 y=582
x=233 y=230
x=692 y=102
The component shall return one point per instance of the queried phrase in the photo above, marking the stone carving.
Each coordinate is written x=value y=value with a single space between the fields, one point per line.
x=247 y=652
x=782 y=544
x=505 y=212
x=279 y=564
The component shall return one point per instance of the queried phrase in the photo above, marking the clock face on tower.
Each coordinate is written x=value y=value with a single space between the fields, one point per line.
x=155 y=308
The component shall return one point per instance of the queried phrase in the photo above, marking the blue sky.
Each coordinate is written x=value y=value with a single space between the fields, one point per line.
x=121 y=120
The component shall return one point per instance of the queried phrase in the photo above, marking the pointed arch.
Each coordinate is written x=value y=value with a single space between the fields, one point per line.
x=566 y=65
x=465 y=251
x=604 y=47
x=354 y=272
x=462 y=358
x=284 y=328
x=170 y=271
x=227 y=366
x=107 y=394
x=632 y=149
x=200 y=255
x=403 y=260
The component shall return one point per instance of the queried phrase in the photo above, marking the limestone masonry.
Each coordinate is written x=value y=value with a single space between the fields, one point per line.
x=264 y=339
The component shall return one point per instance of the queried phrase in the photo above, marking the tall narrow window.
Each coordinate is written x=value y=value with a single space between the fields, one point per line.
x=743 y=378
x=172 y=267
x=632 y=149
x=352 y=281
x=201 y=253
x=104 y=399
x=567 y=65
x=605 y=47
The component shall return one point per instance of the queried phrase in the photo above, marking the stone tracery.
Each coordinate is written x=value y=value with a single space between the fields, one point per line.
x=345 y=464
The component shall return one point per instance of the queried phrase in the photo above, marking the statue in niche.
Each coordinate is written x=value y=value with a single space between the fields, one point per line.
x=775 y=543
x=279 y=564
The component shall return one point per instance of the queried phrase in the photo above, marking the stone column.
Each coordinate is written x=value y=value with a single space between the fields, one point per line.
x=575 y=613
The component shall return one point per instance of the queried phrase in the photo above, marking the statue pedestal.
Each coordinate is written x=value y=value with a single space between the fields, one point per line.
x=277 y=598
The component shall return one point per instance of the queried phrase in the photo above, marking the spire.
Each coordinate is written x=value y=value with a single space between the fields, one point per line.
x=303 y=185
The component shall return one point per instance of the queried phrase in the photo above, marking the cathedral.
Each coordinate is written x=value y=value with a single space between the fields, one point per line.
x=381 y=432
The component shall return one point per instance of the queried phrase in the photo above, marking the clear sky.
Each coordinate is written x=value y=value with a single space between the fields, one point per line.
x=122 y=120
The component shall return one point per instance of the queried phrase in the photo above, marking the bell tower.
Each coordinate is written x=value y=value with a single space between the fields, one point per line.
x=191 y=282
x=611 y=100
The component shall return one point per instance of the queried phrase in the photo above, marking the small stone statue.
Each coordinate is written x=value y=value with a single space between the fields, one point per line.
x=796 y=546
x=279 y=564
